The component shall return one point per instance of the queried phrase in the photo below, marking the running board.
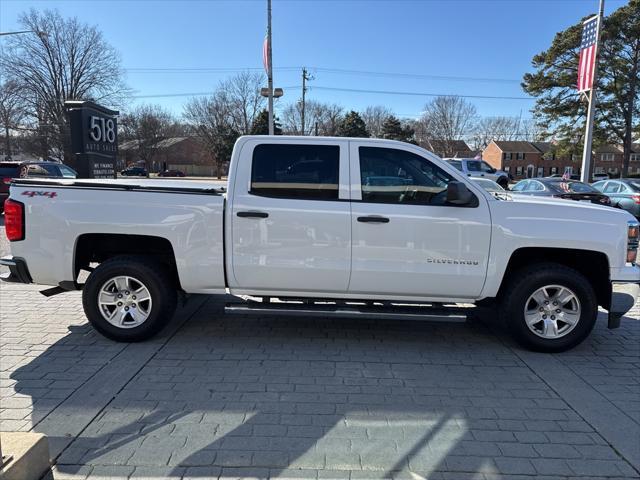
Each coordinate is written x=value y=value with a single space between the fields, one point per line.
x=401 y=312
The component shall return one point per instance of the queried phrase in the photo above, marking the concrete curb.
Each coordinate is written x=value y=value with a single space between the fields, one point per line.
x=30 y=455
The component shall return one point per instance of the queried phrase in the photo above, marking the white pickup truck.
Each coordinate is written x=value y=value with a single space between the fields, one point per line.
x=325 y=226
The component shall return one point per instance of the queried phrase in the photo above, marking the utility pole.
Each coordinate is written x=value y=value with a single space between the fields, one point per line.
x=585 y=174
x=305 y=77
x=269 y=67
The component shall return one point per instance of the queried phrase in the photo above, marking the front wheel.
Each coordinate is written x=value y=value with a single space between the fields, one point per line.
x=129 y=299
x=549 y=307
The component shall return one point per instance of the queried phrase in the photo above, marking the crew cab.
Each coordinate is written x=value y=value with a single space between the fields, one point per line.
x=325 y=226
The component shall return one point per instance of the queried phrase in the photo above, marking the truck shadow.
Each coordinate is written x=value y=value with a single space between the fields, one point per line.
x=264 y=396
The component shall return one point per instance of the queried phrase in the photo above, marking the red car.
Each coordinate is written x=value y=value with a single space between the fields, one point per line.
x=171 y=173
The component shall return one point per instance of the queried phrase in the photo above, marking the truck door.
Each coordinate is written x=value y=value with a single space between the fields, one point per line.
x=290 y=218
x=407 y=241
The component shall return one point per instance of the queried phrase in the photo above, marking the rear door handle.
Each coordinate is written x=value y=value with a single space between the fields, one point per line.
x=373 y=219
x=252 y=214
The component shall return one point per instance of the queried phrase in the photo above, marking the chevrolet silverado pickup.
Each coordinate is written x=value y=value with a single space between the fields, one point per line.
x=325 y=226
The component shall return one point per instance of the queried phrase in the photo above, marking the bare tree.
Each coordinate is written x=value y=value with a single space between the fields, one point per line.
x=12 y=112
x=326 y=116
x=374 y=117
x=211 y=121
x=67 y=60
x=147 y=125
x=241 y=94
x=447 y=119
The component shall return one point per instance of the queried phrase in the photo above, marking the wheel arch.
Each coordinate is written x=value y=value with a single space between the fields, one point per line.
x=98 y=247
x=592 y=264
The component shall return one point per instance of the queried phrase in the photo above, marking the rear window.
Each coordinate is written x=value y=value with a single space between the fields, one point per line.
x=575 y=187
x=304 y=172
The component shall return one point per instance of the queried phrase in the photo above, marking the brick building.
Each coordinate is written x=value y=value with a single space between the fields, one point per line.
x=539 y=159
x=180 y=153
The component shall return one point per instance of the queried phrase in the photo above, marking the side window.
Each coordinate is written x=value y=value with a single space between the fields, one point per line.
x=612 y=187
x=397 y=176
x=456 y=164
x=520 y=186
x=536 y=187
x=474 y=165
x=37 y=171
x=303 y=172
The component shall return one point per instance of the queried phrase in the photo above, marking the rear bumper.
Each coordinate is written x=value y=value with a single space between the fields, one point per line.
x=18 y=270
x=623 y=298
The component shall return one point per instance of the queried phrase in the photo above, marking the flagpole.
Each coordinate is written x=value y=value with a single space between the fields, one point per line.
x=269 y=68
x=585 y=174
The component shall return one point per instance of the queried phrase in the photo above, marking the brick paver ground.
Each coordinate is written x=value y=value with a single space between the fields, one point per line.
x=242 y=397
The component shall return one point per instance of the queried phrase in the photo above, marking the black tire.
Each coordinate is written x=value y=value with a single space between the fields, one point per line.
x=523 y=284
x=154 y=277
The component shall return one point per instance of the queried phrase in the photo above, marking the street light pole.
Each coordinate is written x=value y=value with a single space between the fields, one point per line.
x=269 y=68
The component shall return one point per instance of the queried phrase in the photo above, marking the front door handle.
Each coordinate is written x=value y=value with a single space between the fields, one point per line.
x=252 y=214
x=373 y=219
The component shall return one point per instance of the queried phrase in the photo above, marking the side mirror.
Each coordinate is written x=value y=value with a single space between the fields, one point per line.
x=459 y=194
x=492 y=170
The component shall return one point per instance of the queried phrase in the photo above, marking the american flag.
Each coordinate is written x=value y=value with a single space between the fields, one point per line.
x=265 y=54
x=587 y=63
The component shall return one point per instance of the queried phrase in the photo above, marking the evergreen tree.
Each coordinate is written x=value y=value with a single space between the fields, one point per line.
x=393 y=129
x=560 y=109
x=352 y=125
x=261 y=124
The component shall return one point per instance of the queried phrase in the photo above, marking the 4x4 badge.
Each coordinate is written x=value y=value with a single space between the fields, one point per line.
x=34 y=193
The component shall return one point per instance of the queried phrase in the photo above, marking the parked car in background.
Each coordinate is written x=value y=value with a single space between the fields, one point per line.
x=473 y=167
x=573 y=176
x=171 y=173
x=10 y=170
x=600 y=176
x=559 y=188
x=134 y=172
x=492 y=187
x=624 y=193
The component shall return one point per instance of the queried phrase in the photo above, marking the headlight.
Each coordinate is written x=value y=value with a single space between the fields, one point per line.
x=633 y=237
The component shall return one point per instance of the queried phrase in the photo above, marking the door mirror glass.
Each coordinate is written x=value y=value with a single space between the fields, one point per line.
x=459 y=194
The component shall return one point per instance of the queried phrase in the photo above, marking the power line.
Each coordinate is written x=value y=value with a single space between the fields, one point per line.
x=413 y=75
x=420 y=94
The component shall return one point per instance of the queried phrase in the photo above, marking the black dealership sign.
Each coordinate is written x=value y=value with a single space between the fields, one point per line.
x=94 y=138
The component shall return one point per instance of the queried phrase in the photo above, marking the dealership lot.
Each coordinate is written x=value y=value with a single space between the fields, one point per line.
x=235 y=397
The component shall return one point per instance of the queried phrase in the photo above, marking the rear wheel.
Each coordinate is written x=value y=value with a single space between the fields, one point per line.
x=549 y=307
x=129 y=299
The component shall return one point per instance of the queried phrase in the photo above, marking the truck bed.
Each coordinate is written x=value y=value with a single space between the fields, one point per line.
x=61 y=212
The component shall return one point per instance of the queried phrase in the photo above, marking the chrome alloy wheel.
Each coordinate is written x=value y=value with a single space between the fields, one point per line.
x=552 y=311
x=124 y=302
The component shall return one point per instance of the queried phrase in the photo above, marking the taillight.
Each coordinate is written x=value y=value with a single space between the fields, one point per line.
x=636 y=198
x=6 y=180
x=14 y=220
x=633 y=238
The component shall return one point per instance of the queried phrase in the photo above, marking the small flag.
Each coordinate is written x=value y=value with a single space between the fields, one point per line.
x=587 y=63
x=265 y=54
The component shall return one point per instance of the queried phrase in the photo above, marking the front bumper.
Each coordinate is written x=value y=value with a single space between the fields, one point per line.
x=623 y=298
x=18 y=270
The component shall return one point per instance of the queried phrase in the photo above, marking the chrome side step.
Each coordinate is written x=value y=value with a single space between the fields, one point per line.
x=347 y=310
